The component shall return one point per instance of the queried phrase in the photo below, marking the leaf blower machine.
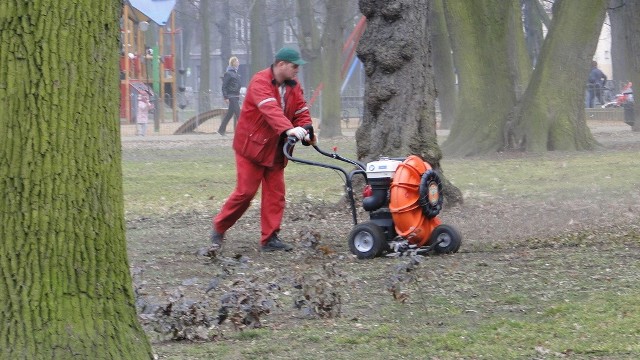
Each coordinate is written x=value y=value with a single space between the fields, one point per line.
x=403 y=197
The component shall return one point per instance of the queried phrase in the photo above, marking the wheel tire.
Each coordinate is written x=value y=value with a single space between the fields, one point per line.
x=431 y=197
x=451 y=239
x=367 y=240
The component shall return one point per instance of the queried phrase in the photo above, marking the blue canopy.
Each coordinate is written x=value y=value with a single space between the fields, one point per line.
x=158 y=11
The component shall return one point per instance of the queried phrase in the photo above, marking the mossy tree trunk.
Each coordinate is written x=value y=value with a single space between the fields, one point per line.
x=399 y=112
x=332 y=40
x=444 y=70
x=493 y=68
x=65 y=286
x=551 y=114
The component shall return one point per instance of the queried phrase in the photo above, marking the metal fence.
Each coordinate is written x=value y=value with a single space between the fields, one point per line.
x=169 y=121
x=166 y=120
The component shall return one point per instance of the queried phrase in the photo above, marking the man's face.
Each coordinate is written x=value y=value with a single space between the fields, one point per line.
x=288 y=70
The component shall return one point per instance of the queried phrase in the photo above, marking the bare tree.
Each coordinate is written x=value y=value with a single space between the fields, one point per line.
x=223 y=24
x=261 y=50
x=204 y=103
x=185 y=14
x=533 y=20
x=632 y=36
x=332 y=40
x=310 y=43
x=619 y=56
x=321 y=34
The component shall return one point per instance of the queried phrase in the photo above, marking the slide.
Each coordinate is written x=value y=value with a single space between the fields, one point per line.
x=191 y=124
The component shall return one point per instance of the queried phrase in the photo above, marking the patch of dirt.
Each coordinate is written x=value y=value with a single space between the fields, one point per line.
x=505 y=233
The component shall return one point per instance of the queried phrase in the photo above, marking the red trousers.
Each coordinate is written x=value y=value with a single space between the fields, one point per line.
x=249 y=178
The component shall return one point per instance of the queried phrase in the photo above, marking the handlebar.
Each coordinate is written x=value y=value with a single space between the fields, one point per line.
x=288 y=153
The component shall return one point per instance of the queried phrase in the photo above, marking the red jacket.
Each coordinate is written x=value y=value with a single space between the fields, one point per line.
x=259 y=135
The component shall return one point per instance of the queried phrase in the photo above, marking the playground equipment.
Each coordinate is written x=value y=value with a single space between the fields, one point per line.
x=145 y=68
x=191 y=124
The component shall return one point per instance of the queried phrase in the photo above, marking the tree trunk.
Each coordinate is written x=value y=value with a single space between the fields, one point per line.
x=65 y=286
x=551 y=115
x=310 y=43
x=281 y=13
x=493 y=68
x=632 y=22
x=399 y=117
x=332 y=61
x=532 y=29
x=186 y=26
x=444 y=70
x=619 y=55
x=204 y=91
x=184 y=22
x=278 y=34
x=224 y=28
x=399 y=111
x=261 y=52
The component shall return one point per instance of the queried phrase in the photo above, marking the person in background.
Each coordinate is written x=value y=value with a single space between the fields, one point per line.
x=597 y=79
x=231 y=93
x=142 y=116
x=274 y=108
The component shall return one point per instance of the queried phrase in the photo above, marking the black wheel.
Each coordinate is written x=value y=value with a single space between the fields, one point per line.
x=450 y=239
x=430 y=194
x=367 y=240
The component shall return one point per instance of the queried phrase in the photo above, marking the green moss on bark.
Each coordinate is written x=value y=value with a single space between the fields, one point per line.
x=551 y=115
x=492 y=64
x=65 y=288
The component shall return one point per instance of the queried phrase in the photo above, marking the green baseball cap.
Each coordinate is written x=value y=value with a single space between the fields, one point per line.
x=289 y=55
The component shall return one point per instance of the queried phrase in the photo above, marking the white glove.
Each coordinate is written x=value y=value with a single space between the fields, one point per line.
x=298 y=132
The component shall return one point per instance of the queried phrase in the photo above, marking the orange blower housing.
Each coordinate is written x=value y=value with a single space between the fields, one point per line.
x=415 y=200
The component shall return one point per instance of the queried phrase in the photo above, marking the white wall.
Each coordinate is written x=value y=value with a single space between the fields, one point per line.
x=603 y=51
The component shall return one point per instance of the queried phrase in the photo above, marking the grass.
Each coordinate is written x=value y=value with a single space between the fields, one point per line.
x=171 y=180
x=552 y=176
x=195 y=180
x=576 y=300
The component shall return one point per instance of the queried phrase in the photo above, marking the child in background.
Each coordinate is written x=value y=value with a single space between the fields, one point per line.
x=143 y=114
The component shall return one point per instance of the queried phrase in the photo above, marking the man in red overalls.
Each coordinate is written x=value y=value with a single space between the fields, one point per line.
x=273 y=108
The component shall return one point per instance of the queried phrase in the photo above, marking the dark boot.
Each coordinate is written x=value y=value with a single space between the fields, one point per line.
x=217 y=239
x=275 y=244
